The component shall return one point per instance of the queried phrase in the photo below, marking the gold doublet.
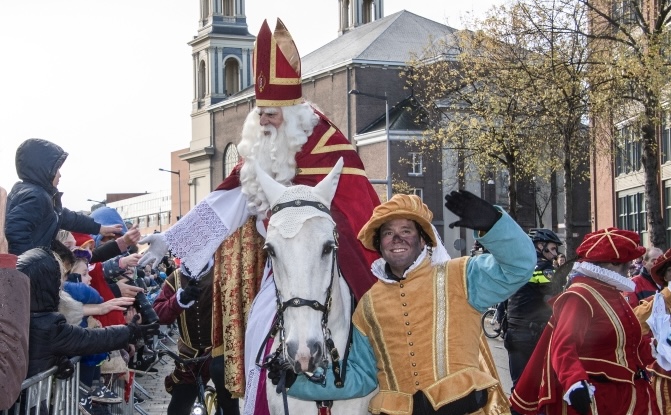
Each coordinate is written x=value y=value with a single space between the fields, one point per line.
x=424 y=335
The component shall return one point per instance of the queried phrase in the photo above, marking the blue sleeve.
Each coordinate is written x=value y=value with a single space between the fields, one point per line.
x=493 y=277
x=82 y=292
x=78 y=222
x=360 y=377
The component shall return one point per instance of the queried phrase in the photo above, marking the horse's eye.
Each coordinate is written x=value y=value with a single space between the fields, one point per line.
x=327 y=249
x=269 y=250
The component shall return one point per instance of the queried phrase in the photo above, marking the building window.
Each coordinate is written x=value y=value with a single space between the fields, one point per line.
x=231 y=158
x=629 y=151
x=142 y=223
x=232 y=74
x=202 y=89
x=229 y=8
x=667 y=210
x=416 y=167
x=367 y=11
x=666 y=138
x=153 y=220
x=631 y=214
x=624 y=12
x=417 y=191
x=165 y=218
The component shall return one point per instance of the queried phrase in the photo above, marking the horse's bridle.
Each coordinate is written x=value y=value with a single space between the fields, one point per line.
x=328 y=346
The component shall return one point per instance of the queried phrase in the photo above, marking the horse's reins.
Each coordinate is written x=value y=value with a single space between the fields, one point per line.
x=328 y=348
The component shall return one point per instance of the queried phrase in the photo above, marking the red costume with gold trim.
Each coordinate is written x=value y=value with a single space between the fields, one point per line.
x=593 y=334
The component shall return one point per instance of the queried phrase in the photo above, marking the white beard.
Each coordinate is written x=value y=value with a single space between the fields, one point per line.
x=273 y=149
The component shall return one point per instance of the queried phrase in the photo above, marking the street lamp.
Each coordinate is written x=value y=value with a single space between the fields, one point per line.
x=386 y=130
x=179 y=189
x=97 y=201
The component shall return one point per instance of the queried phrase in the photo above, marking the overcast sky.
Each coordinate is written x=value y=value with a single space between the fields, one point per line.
x=110 y=81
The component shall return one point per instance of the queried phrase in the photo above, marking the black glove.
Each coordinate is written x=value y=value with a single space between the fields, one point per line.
x=580 y=400
x=475 y=213
x=190 y=293
x=276 y=368
x=65 y=368
x=138 y=331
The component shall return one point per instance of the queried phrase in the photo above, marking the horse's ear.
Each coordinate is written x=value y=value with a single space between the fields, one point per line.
x=327 y=187
x=271 y=188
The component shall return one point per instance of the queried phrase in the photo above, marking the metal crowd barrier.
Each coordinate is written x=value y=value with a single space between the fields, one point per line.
x=43 y=394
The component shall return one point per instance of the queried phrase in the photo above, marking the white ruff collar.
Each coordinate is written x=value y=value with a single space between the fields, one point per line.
x=611 y=278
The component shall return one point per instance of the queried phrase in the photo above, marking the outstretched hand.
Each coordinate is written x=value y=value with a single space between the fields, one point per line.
x=158 y=247
x=474 y=212
x=140 y=331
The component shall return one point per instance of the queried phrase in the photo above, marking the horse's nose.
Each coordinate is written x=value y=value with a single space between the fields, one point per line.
x=307 y=357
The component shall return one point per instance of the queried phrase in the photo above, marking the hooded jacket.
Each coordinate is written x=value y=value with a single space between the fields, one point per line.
x=34 y=209
x=50 y=335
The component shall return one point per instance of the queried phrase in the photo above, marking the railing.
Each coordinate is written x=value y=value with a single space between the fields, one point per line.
x=44 y=394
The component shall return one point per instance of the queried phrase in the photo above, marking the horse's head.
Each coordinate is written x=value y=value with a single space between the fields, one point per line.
x=301 y=243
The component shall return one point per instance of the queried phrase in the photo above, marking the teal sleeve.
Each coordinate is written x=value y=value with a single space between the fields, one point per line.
x=360 y=378
x=493 y=277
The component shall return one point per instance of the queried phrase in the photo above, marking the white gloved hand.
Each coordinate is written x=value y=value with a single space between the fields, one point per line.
x=158 y=247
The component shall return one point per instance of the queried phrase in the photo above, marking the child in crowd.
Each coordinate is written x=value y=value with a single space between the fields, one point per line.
x=78 y=286
x=34 y=209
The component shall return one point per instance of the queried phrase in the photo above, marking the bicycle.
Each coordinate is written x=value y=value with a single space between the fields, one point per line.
x=490 y=323
x=206 y=400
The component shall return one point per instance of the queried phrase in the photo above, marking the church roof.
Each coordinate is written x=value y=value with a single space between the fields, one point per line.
x=407 y=115
x=390 y=40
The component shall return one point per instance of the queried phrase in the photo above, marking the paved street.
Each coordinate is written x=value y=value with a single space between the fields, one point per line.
x=501 y=358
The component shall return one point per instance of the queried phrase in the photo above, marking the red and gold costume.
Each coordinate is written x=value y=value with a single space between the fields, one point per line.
x=593 y=336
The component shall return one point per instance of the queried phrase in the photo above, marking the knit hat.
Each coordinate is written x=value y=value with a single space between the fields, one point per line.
x=83 y=240
x=610 y=245
x=107 y=216
x=398 y=207
x=660 y=262
x=277 y=68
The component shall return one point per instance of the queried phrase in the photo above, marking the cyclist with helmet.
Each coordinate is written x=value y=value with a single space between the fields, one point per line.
x=528 y=309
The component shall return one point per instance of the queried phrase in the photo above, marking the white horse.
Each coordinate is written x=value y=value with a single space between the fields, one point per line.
x=313 y=299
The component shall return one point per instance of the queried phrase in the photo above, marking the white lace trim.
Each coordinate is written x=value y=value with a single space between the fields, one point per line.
x=611 y=278
x=196 y=237
x=250 y=391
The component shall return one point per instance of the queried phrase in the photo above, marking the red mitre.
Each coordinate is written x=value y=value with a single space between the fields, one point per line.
x=610 y=245
x=277 y=68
